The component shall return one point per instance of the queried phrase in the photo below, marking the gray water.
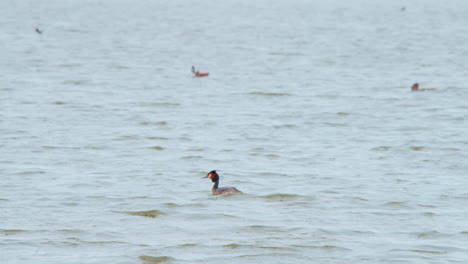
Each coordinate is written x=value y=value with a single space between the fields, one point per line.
x=105 y=135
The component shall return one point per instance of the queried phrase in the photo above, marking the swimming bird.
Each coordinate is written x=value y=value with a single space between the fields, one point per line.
x=199 y=74
x=415 y=87
x=38 y=31
x=215 y=190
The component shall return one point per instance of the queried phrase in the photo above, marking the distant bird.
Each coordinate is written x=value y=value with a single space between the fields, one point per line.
x=214 y=177
x=199 y=74
x=403 y=9
x=415 y=88
x=38 y=31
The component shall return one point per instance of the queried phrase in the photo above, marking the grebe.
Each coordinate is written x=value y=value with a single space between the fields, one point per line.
x=214 y=177
x=415 y=88
x=199 y=74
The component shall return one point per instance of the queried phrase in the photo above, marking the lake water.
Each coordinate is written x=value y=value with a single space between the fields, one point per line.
x=105 y=135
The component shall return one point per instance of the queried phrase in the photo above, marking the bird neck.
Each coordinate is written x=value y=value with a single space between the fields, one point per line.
x=215 y=185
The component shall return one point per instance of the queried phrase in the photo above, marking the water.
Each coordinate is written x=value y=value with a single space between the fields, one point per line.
x=105 y=135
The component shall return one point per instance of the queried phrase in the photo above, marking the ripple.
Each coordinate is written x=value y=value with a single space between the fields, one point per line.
x=421 y=251
x=324 y=247
x=150 y=214
x=197 y=149
x=272 y=156
x=55 y=147
x=335 y=124
x=270 y=229
x=8 y=232
x=270 y=94
x=287 y=54
x=67 y=65
x=171 y=205
x=161 y=123
x=30 y=172
x=426 y=205
x=381 y=148
x=343 y=114
x=76 y=82
x=285 y=126
x=396 y=204
x=428 y=235
x=156 y=148
x=235 y=246
x=73 y=231
x=417 y=148
x=128 y=137
x=281 y=196
x=188 y=245
x=157 y=138
x=159 y=104
x=60 y=243
x=192 y=157
x=96 y=242
x=428 y=251
x=174 y=205
x=269 y=255
x=150 y=260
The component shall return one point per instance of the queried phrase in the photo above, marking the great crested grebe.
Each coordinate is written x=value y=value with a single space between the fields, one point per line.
x=214 y=177
x=415 y=87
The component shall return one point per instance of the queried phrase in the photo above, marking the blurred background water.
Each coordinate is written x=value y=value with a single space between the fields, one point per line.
x=105 y=134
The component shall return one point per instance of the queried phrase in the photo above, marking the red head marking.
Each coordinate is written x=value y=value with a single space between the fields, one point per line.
x=213 y=176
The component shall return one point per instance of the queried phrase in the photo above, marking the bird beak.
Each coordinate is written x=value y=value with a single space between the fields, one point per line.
x=205 y=177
